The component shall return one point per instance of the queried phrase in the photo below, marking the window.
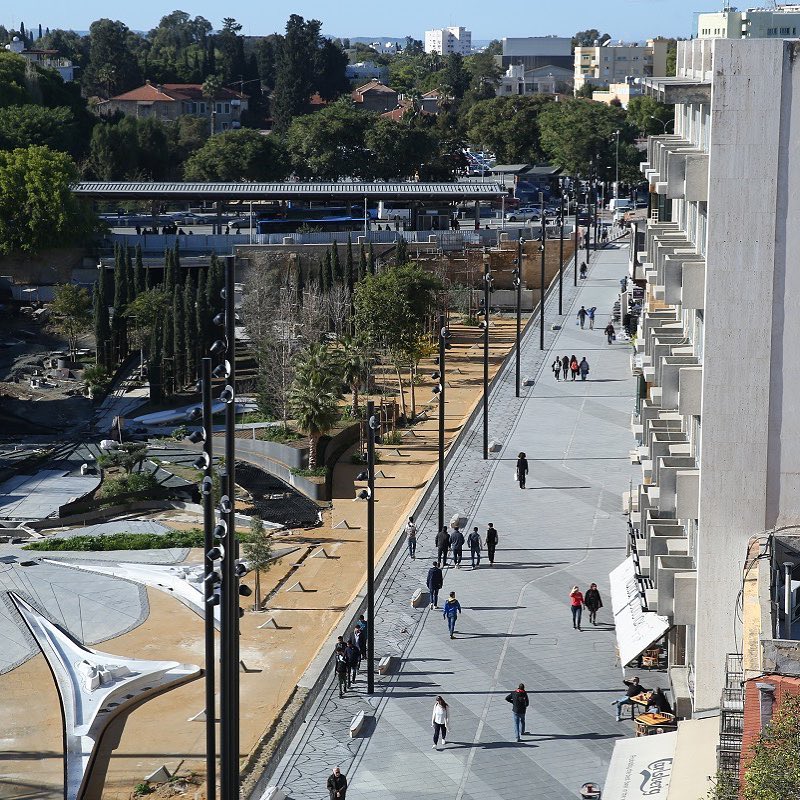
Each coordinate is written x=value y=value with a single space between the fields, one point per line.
x=227 y=108
x=784 y=31
x=219 y=108
x=202 y=108
x=194 y=108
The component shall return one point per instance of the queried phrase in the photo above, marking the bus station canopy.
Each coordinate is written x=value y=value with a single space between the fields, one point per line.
x=247 y=192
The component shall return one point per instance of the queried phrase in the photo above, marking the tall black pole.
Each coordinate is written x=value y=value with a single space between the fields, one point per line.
x=561 y=256
x=541 y=275
x=371 y=425
x=442 y=384
x=208 y=583
x=486 y=287
x=229 y=677
x=518 y=286
x=576 y=248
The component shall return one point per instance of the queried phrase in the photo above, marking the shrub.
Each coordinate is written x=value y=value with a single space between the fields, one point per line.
x=319 y=472
x=393 y=437
x=123 y=485
x=123 y=541
x=278 y=434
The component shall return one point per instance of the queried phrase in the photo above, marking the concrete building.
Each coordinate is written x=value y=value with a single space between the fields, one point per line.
x=375 y=96
x=533 y=52
x=448 y=40
x=173 y=100
x=47 y=59
x=542 y=80
x=366 y=70
x=716 y=422
x=618 y=92
x=612 y=63
x=755 y=23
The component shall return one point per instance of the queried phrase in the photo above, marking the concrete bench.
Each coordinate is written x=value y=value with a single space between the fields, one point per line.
x=357 y=724
x=385 y=665
x=419 y=599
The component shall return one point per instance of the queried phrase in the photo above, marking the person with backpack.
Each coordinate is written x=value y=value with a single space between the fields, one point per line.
x=582 y=314
x=584 y=368
x=434 y=582
x=610 y=333
x=519 y=706
x=573 y=367
x=443 y=545
x=411 y=537
x=556 y=367
x=491 y=542
x=522 y=469
x=452 y=608
x=456 y=546
x=475 y=547
x=565 y=366
x=583 y=267
x=590 y=314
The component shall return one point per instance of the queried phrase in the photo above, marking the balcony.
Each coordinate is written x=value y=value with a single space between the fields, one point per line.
x=666 y=568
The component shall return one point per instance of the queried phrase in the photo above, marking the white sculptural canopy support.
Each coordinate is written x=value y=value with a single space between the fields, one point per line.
x=94 y=687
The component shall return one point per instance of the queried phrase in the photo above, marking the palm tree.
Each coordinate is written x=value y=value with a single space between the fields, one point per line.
x=353 y=363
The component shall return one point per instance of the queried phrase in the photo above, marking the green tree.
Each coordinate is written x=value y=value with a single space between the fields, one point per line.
x=119 y=328
x=96 y=379
x=127 y=456
x=589 y=38
x=363 y=263
x=401 y=252
x=112 y=65
x=325 y=273
x=348 y=264
x=294 y=77
x=189 y=325
x=138 y=272
x=396 y=150
x=71 y=313
x=773 y=772
x=354 y=366
x=236 y=156
x=178 y=338
x=147 y=312
x=373 y=269
x=337 y=276
x=314 y=398
x=102 y=323
x=37 y=207
x=26 y=125
x=641 y=111
x=257 y=550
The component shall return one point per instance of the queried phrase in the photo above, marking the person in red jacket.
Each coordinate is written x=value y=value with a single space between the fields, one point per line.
x=576 y=603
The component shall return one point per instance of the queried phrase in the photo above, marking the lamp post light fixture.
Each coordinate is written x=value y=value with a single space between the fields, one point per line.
x=576 y=248
x=444 y=335
x=541 y=274
x=663 y=122
x=373 y=424
x=484 y=312
x=516 y=274
x=616 y=171
x=561 y=252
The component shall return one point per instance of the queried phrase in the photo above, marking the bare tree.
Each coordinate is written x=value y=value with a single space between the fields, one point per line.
x=340 y=308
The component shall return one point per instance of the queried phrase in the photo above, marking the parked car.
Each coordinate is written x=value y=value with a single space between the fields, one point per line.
x=188 y=218
x=523 y=214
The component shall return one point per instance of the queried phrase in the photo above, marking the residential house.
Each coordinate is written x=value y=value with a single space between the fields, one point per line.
x=375 y=96
x=541 y=80
x=609 y=63
x=47 y=59
x=445 y=41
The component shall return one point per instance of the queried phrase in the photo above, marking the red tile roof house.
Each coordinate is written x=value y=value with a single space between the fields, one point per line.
x=375 y=96
x=169 y=101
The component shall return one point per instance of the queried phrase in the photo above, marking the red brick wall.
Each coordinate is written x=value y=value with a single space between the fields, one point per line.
x=784 y=685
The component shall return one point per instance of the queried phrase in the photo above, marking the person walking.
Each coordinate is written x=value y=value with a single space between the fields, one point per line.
x=522 y=469
x=491 y=542
x=443 y=545
x=362 y=623
x=337 y=785
x=565 y=366
x=576 y=603
x=582 y=314
x=634 y=689
x=359 y=639
x=590 y=313
x=593 y=602
x=452 y=608
x=456 y=546
x=475 y=547
x=519 y=706
x=584 y=368
x=342 y=670
x=440 y=719
x=434 y=582
x=610 y=333
x=583 y=268
x=411 y=537
x=353 y=657
x=556 y=367
x=573 y=367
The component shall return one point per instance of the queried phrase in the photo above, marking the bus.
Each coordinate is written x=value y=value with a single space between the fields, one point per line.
x=290 y=219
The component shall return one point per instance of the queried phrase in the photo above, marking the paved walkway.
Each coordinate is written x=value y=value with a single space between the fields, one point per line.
x=565 y=529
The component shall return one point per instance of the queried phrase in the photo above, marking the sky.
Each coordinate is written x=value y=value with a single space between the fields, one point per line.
x=624 y=19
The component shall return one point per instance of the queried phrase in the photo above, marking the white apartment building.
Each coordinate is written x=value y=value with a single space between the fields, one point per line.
x=613 y=63
x=543 y=80
x=717 y=421
x=754 y=23
x=448 y=40
x=47 y=59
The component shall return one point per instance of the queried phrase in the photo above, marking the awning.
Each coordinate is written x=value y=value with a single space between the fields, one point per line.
x=641 y=768
x=695 y=758
x=636 y=629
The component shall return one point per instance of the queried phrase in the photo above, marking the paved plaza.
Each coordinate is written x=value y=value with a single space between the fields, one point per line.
x=566 y=528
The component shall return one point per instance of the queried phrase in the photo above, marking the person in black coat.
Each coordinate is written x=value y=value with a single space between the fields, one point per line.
x=434 y=582
x=519 y=706
x=353 y=658
x=522 y=469
x=337 y=785
x=658 y=702
x=359 y=640
x=593 y=602
x=442 y=542
x=491 y=541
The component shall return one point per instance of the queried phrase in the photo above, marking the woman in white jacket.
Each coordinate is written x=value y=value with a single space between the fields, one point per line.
x=439 y=721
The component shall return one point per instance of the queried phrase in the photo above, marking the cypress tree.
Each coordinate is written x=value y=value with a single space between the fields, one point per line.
x=401 y=252
x=362 y=262
x=168 y=352
x=348 y=264
x=301 y=282
x=202 y=322
x=372 y=265
x=325 y=273
x=337 y=276
x=189 y=324
x=215 y=281
x=169 y=281
x=102 y=326
x=138 y=272
x=178 y=343
x=118 y=323
x=176 y=264
x=130 y=281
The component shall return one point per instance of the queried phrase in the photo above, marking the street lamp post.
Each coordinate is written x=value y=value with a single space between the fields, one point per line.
x=517 y=281
x=487 y=288
x=442 y=383
x=616 y=172
x=663 y=122
x=575 y=250
x=561 y=254
x=541 y=274
x=372 y=424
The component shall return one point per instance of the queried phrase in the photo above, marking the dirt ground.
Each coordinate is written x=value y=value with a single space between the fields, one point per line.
x=158 y=732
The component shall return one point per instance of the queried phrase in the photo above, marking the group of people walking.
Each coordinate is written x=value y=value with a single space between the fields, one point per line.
x=569 y=365
x=451 y=542
x=591 y=601
x=349 y=655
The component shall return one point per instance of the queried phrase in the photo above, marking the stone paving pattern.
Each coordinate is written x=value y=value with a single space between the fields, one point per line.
x=565 y=528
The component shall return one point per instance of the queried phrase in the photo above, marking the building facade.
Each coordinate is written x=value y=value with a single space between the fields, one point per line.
x=618 y=93
x=613 y=63
x=716 y=422
x=375 y=96
x=448 y=40
x=754 y=23
x=47 y=59
x=543 y=80
x=169 y=101
x=534 y=52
